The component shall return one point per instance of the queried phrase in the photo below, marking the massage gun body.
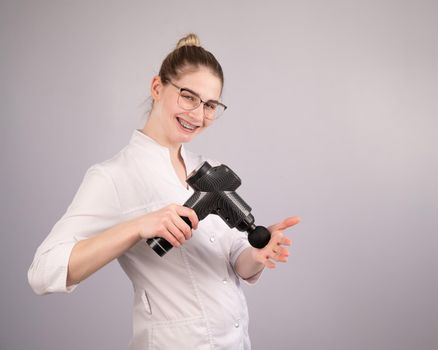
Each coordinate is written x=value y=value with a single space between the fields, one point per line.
x=215 y=194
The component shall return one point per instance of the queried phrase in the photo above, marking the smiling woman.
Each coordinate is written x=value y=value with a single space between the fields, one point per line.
x=179 y=114
x=190 y=298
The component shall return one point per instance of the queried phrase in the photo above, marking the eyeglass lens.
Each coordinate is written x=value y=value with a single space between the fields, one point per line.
x=190 y=101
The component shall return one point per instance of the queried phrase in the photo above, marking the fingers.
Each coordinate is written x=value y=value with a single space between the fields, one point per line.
x=269 y=261
x=179 y=234
x=280 y=251
x=169 y=236
x=278 y=239
x=270 y=255
x=181 y=226
x=188 y=212
x=286 y=223
x=277 y=248
x=175 y=229
x=279 y=254
x=284 y=241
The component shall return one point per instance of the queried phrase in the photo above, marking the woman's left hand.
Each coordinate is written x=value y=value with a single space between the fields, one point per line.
x=277 y=249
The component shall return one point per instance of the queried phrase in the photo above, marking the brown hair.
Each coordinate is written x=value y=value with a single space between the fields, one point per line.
x=189 y=55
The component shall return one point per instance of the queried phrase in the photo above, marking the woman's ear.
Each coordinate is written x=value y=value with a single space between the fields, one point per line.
x=156 y=88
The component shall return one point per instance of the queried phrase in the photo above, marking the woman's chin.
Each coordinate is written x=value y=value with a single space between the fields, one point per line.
x=187 y=138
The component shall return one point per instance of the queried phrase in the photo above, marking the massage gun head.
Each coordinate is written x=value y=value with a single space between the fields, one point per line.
x=258 y=236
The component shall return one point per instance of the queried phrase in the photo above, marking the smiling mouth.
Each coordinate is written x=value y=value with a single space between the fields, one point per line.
x=186 y=125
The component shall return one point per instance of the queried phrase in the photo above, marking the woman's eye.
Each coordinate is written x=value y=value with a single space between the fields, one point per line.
x=188 y=97
x=211 y=106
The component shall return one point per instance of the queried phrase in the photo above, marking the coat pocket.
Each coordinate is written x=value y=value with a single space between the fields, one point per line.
x=146 y=302
x=185 y=334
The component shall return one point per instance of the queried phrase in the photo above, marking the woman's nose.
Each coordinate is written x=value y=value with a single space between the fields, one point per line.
x=198 y=113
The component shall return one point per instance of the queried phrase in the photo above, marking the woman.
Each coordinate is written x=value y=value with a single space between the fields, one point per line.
x=191 y=297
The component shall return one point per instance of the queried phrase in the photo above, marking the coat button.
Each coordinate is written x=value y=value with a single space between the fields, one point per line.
x=212 y=239
x=236 y=324
x=224 y=281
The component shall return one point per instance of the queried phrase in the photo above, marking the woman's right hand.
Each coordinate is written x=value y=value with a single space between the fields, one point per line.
x=167 y=223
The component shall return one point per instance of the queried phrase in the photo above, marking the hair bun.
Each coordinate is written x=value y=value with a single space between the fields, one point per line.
x=189 y=40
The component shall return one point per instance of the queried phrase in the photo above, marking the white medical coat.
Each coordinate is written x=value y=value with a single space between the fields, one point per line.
x=188 y=299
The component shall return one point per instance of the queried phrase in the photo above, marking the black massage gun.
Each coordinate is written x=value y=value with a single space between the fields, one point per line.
x=215 y=194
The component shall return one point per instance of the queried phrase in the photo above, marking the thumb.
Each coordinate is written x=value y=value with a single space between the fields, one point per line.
x=286 y=223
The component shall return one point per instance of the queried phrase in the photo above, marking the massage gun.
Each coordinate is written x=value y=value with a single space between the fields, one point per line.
x=215 y=194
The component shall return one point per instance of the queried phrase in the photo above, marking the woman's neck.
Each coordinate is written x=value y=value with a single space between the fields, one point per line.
x=174 y=149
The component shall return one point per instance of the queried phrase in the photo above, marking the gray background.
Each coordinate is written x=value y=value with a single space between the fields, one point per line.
x=333 y=117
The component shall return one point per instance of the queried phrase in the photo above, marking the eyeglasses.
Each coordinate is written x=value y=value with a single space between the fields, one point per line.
x=190 y=100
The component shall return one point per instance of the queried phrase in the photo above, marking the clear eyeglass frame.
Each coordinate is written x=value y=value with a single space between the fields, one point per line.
x=190 y=100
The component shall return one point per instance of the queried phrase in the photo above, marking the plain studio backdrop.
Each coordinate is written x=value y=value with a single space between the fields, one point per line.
x=332 y=116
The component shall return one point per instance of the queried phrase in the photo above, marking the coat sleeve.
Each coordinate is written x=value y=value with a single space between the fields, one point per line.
x=94 y=208
x=238 y=244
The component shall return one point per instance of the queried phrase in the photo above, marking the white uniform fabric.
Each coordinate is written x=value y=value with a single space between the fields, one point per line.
x=188 y=299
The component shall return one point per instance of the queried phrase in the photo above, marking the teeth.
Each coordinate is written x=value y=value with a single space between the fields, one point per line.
x=186 y=125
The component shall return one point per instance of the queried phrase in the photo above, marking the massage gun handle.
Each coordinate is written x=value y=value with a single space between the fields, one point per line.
x=160 y=245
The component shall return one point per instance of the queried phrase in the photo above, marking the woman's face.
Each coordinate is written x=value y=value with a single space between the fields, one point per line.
x=173 y=124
